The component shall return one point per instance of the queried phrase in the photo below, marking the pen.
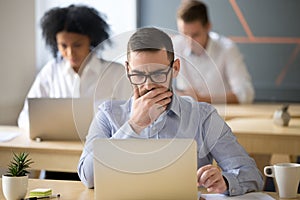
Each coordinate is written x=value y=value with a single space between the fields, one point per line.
x=43 y=197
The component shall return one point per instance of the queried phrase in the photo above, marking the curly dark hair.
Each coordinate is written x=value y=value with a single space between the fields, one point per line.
x=78 y=19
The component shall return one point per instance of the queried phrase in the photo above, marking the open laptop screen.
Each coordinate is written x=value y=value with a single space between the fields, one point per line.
x=145 y=169
x=59 y=118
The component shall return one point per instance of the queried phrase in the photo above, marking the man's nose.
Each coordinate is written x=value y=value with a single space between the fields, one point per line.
x=149 y=85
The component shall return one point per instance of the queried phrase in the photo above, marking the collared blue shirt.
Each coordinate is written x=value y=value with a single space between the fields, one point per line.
x=185 y=118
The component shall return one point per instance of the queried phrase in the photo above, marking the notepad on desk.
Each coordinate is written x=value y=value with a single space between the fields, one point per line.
x=248 y=196
x=40 y=192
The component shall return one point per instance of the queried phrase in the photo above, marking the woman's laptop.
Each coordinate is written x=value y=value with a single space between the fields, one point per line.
x=59 y=118
x=145 y=169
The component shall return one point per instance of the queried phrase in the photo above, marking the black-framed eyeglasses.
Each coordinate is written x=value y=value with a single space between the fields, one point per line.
x=155 y=77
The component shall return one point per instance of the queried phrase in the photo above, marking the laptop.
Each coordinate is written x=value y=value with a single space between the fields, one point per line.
x=59 y=118
x=138 y=169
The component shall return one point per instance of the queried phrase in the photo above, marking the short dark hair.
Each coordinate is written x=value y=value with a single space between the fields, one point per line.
x=193 y=10
x=150 y=39
x=78 y=19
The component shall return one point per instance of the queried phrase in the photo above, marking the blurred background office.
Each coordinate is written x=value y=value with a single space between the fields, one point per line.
x=266 y=32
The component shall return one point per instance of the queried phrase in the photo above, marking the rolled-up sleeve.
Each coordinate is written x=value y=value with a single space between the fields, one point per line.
x=238 y=76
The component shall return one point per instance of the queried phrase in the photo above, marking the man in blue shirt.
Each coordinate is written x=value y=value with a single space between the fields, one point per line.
x=155 y=111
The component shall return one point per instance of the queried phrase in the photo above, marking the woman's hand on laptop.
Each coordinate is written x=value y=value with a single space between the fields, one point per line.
x=211 y=177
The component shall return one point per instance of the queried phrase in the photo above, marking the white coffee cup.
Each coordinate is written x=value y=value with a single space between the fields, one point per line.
x=287 y=177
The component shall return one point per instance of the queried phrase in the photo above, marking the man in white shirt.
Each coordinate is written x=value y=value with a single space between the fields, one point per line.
x=213 y=69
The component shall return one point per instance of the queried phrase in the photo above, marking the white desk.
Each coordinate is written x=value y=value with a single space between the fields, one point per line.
x=48 y=155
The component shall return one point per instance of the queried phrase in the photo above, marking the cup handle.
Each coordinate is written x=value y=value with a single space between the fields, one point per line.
x=269 y=169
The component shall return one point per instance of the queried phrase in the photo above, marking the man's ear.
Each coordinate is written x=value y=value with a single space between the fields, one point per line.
x=127 y=66
x=176 y=67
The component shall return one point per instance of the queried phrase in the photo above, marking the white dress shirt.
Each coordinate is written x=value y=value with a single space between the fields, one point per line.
x=100 y=80
x=219 y=69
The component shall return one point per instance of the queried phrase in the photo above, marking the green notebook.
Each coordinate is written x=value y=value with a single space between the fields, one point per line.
x=40 y=192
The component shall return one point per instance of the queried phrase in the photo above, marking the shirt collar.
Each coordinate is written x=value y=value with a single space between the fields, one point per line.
x=188 y=51
x=66 y=67
x=209 y=44
x=92 y=64
x=174 y=106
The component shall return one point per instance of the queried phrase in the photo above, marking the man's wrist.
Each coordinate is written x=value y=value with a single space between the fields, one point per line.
x=136 y=128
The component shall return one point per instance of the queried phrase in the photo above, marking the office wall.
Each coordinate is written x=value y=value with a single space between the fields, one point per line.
x=158 y=13
x=267 y=33
x=17 y=56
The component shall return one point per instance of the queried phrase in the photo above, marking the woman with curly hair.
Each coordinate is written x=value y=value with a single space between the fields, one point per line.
x=72 y=33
